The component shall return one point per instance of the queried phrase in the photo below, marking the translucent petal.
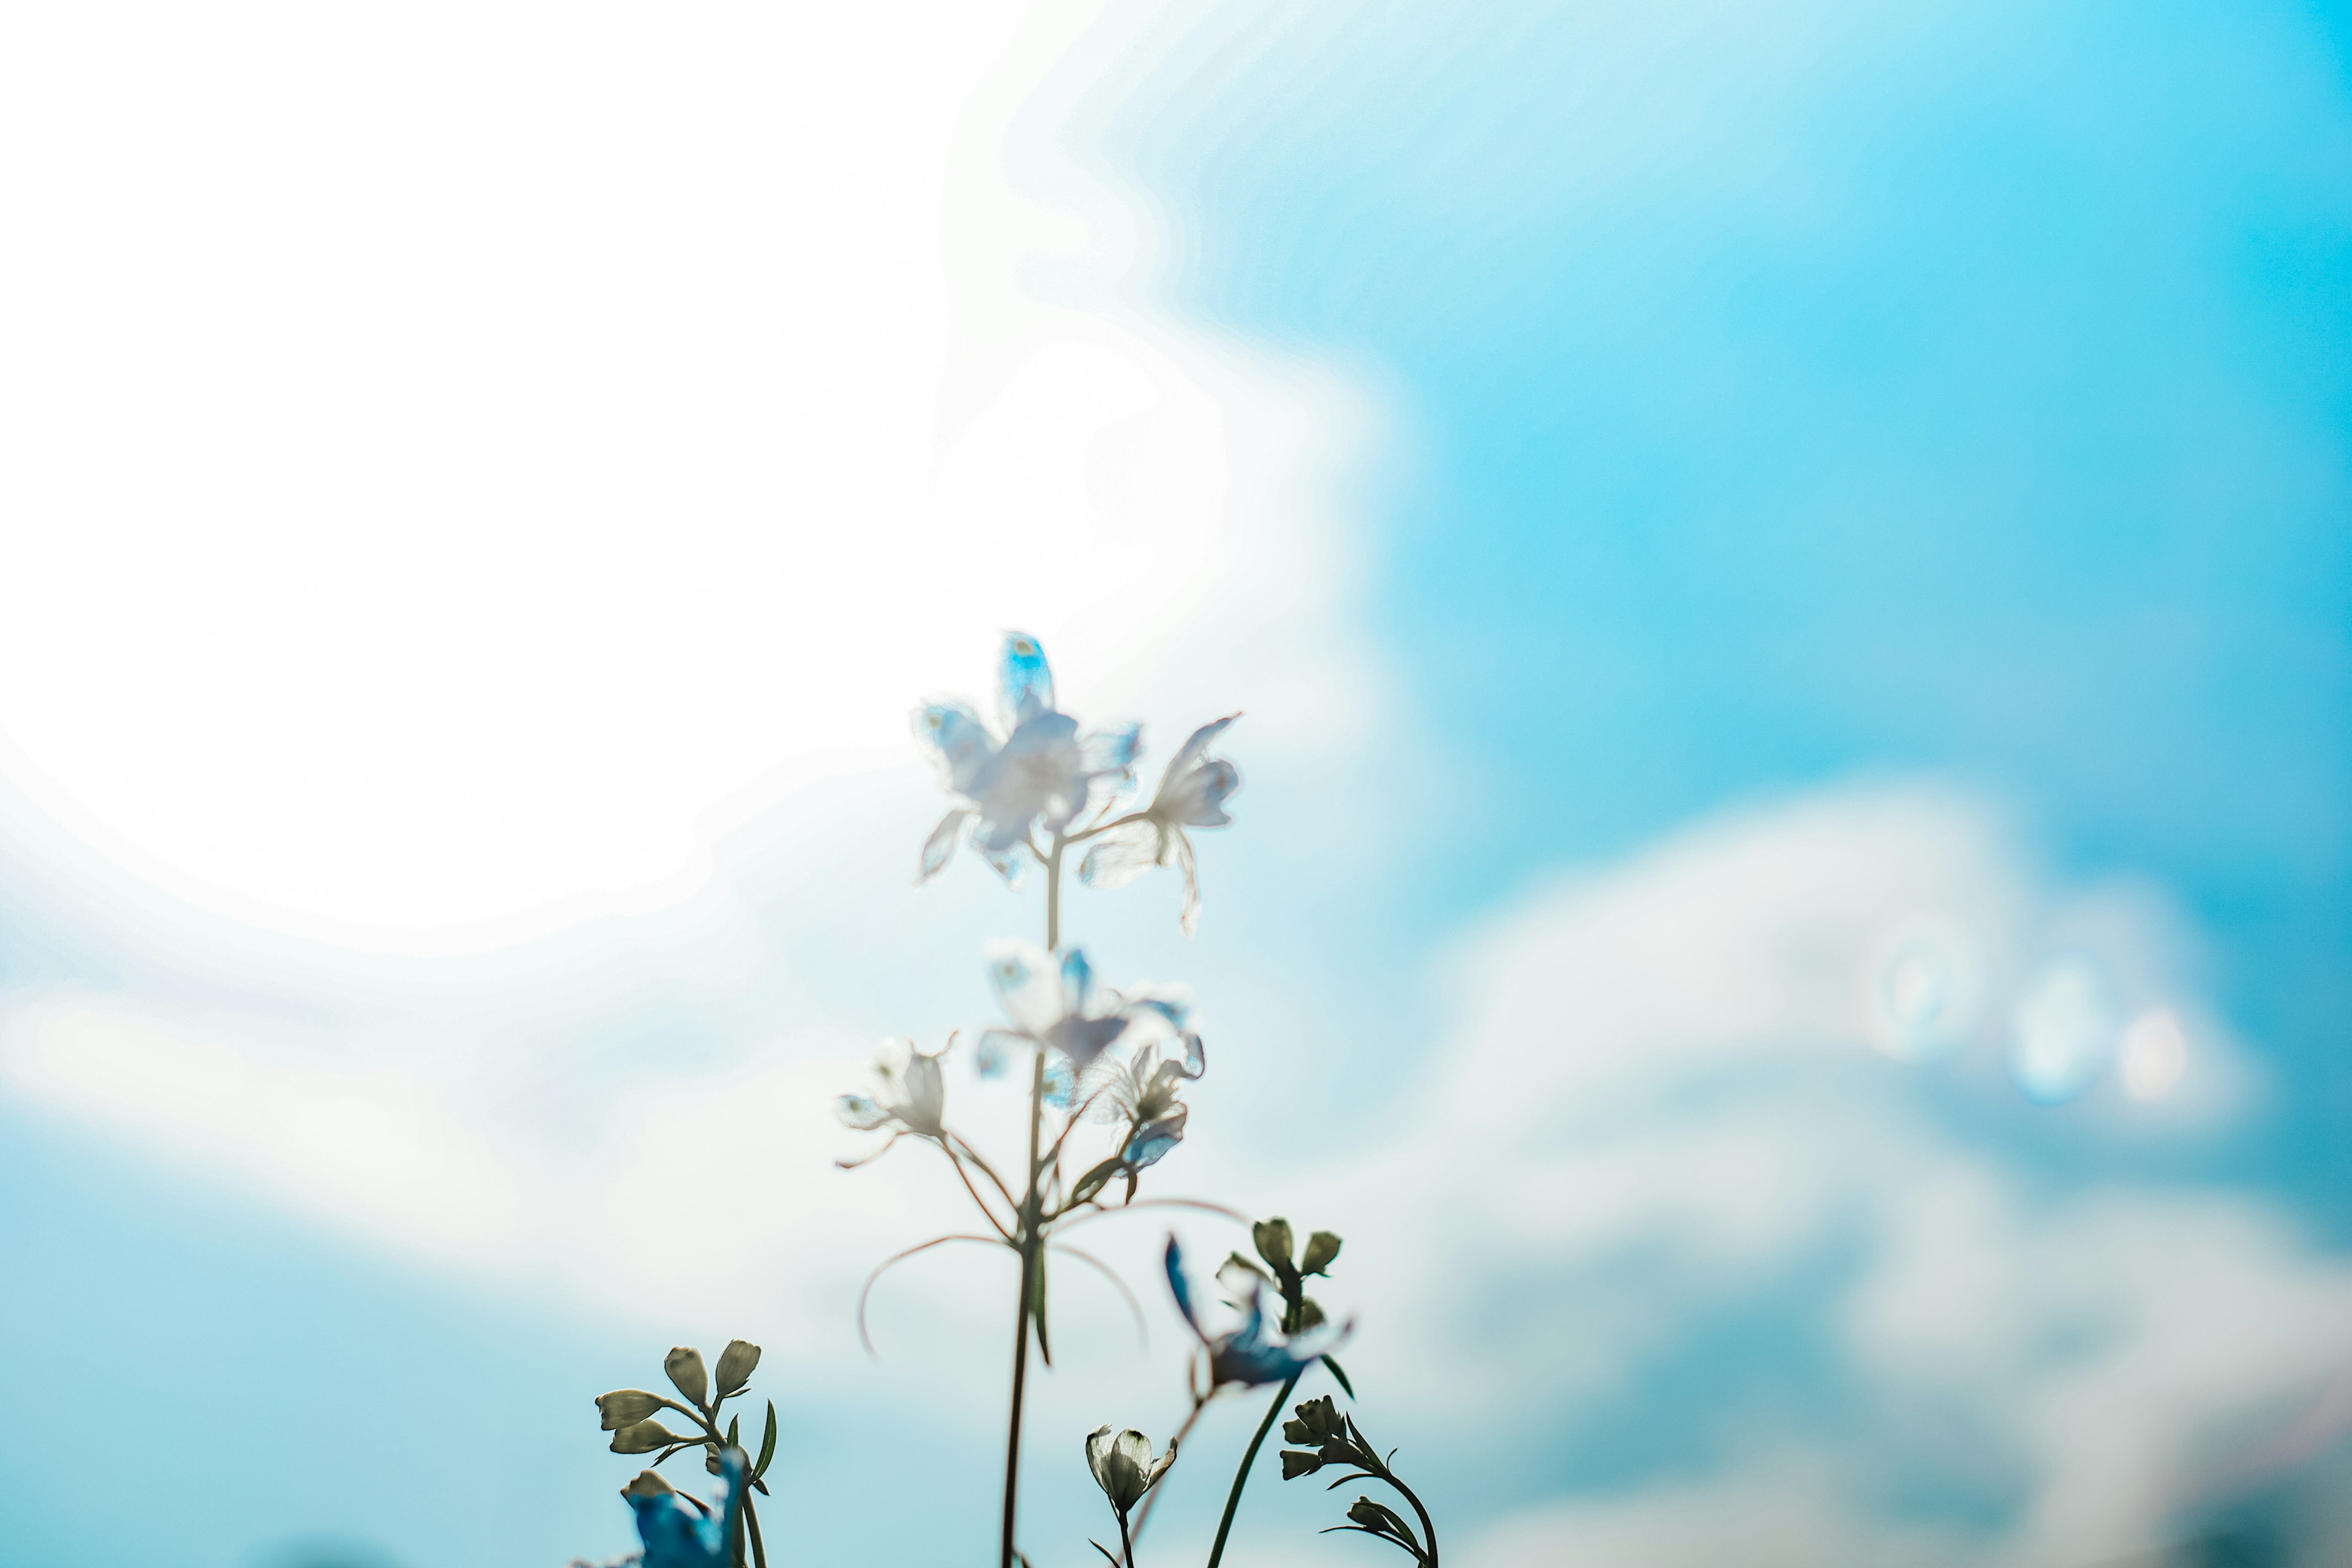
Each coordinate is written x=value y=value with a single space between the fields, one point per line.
x=957 y=740
x=1197 y=799
x=1038 y=772
x=860 y=1111
x=1151 y=1143
x=1123 y=853
x=1025 y=682
x=1112 y=751
x=1077 y=981
x=941 y=843
x=1011 y=864
x=994 y=1051
x=926 y=1094
x=1195 y=746
x=1061 y=1082
x=1027 y=986
x=1084 y=1040
x=1178 y=1286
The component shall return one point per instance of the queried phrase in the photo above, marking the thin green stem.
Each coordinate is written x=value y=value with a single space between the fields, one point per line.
x=1027 y=1233
x=1249 y=1458
x=1428 y=1530
x=1126 y=1544
x=759 y=1547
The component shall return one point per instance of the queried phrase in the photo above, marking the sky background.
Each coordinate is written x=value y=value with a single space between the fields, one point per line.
x=1717 y=519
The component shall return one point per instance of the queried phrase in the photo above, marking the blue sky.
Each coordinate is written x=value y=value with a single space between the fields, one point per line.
x=1686 y=497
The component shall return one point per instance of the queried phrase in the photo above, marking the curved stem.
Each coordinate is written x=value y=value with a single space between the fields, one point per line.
x=1428 y=1530
x=985 y=1212
x=1249 y=1458
x=1126 y=1544
x=759 y=1547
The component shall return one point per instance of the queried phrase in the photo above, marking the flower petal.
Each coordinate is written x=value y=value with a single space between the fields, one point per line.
x=1061 y=1082
x=958 y=742
x=1113 y=750
x=1124 y=853
x=941 y=843
x=860 y=1111
x=1151 y=1143
x=1027 y=985
x=1025 y=681
x=1188 y=755
x=1197 y=799
x=1189 y=916
x=994 y=1049
x=1078 y=982
x=1173 y=1262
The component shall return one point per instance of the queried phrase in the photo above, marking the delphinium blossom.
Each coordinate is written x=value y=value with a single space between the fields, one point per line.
x=1255 y=1351
x=679 y=1535
x=1042 y=772
x=1191 y=794
x=1052 y=1007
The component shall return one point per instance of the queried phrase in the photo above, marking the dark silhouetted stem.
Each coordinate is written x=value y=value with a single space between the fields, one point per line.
x=1249 y=1458
x=1026 y=1232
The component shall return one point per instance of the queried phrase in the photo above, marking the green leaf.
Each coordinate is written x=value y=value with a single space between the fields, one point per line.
x=736 y=1364
x=733 y=1424
x=684 y=1364
x=1092 y=1182
x=767 y=1444
x=1344 y=1383
x=625 y=1407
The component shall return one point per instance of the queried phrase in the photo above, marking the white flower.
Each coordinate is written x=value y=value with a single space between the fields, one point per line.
x=1056 y=1009
x=1191 y=794
x=912 y=1096
x=1124 y=1467
x=1042 y=769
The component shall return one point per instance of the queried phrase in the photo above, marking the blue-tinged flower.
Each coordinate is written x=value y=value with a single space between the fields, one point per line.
x=1252 y=1353
x=678 y=1535
x=1042 y=770
x=911 y=1094
x=1124 y=1466
x=1142 y=1090
x=1056 y=1009
x=1191 y=794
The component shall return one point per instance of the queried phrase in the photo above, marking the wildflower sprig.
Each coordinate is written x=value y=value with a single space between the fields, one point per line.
x=1028 y=791
x=1325 y=1436
x=633 y=1417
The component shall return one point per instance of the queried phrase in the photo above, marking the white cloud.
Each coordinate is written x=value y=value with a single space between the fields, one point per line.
x=465 y=462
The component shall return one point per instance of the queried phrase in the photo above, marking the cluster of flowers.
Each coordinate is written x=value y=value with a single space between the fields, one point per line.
x=1028 y=791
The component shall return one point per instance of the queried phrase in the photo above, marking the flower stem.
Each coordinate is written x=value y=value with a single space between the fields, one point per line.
x=1151 y=1498
x=1126 y=1544
x=1025 y=1231
x=1249 y=1458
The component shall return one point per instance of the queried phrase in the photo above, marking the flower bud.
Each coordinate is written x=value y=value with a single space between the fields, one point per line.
x=1273 y=1239
x=647 y=1484
x=736 y=1364
x=684 y=1364
x=1321 y=1248
x=624 y=1407
x=643 y=1438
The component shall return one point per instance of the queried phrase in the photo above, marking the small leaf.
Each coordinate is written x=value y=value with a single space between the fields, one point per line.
x=733 y=1424
x=643 y=1438
x=1272 y=1237
x=767 y=1444
x=624 y=1406
x=1344 y=1383
x=1307 y=1316
x=1321 y=1248
x=687 y=1374
x=736 y=1364
x=1093 y=1180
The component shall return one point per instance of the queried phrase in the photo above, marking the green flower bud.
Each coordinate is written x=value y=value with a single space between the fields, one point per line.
x=1273 y=1239
x=624 y=1407
x=736 y=1364
x=1295 y=1464
x=647 y=1484
x=1321 y=1248
x=1317 y=1422
x=643 y=1438
x=686 y=1370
